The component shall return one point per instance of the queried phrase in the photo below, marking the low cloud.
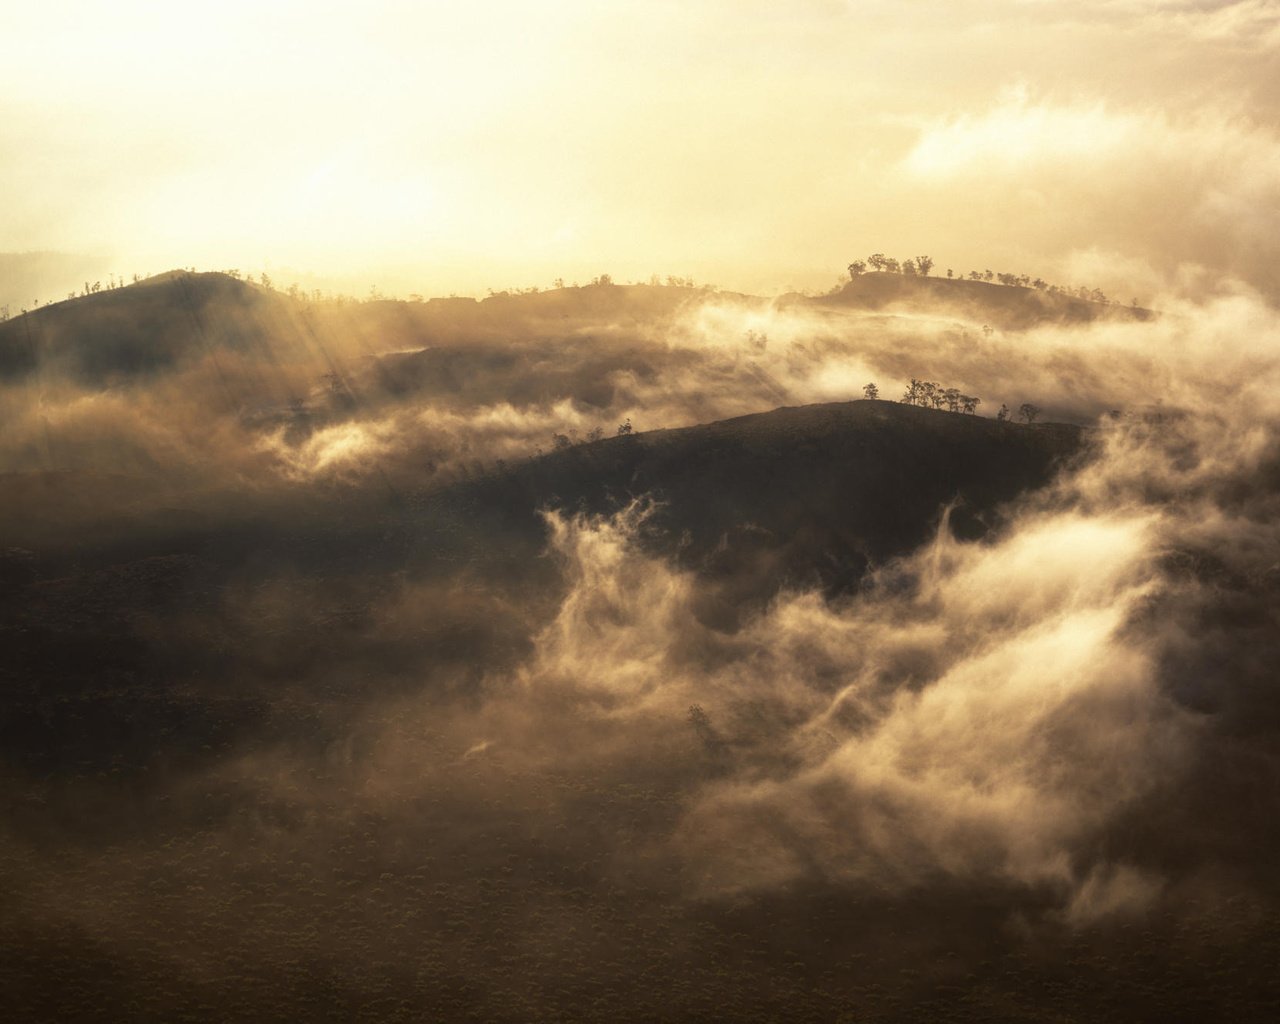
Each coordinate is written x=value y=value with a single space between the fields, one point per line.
x=1174 y=191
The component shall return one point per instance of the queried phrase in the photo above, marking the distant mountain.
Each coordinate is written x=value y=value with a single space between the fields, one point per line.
x=172 y=319
x=1009 y=307
x=176 y=319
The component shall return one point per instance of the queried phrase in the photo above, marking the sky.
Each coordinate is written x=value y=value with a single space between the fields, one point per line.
x=438 y=147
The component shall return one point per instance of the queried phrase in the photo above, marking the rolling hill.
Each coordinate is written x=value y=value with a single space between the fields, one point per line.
x=1009 y=307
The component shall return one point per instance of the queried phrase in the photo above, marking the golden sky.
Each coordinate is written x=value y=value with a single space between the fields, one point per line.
x=425 y=146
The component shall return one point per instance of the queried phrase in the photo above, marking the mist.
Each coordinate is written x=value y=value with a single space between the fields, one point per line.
x=328 y=651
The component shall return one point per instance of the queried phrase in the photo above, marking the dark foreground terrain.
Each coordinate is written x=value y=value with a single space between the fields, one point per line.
x=779 y=717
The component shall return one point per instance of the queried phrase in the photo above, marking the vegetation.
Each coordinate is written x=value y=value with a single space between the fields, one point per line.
x=920 y=266
x=930 y=395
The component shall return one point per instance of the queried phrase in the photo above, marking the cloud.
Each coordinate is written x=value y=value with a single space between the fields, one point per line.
x=382 y=752
x=1177 y=191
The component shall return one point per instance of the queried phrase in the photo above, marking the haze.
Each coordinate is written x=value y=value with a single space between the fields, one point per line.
x=834 y=576
x=433 y=147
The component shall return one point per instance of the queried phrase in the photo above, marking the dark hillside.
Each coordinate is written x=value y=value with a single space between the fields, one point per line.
x=147 y=328
x=797 y=496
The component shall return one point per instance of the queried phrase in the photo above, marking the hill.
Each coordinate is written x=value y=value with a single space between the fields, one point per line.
x=1009 y=307
x=807 y=496
x=143 y=329
x=168 y=321
x=292 y=653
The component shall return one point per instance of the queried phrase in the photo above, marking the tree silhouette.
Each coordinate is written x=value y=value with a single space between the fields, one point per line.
x=871 y=391
x=701 y=722
x=1028 y=412
x=924 y=264
x=856 y=268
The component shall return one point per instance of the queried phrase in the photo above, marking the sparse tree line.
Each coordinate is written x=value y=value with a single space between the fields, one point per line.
x=90 y=288
x=603 y=280
x=561 y=442
x=931 y=395
x=920 y=266
x=928 y=394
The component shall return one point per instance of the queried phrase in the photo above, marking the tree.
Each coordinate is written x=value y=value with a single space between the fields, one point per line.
x=891 y=266
x=950 y=273
x=909 y=267
x=876 y=261
x=1028 y=412
x=970 y=403
x=871 y=391
x=595 y=434
x=1003 y=414
x=856 y=268
x=701 y=722
x=560 y=442
x=625 y=427
x=924 y=264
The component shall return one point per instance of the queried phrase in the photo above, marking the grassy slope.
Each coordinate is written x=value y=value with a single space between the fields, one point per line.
x=805 y=496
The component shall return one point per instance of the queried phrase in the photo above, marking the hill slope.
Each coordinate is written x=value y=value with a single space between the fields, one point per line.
x=1004 y=306
x=797 y=496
